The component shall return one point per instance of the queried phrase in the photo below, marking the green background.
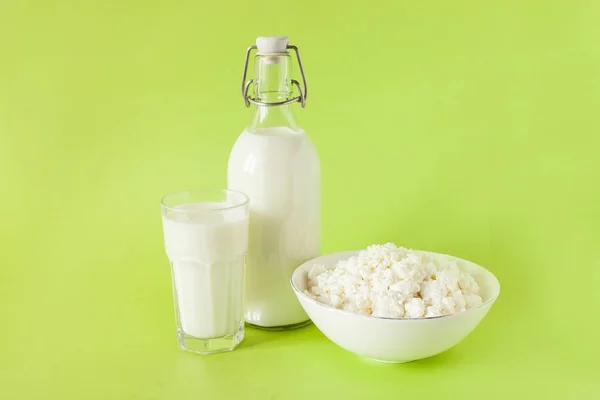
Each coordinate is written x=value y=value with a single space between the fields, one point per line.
x=469 y=128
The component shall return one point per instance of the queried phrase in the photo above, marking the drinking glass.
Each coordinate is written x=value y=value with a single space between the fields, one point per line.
x=206 y=240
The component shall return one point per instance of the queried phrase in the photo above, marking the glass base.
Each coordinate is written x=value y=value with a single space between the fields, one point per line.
x=211 y=345
x=281 y=328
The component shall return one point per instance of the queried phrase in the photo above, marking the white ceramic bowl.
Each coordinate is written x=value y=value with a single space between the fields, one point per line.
x=394 y=340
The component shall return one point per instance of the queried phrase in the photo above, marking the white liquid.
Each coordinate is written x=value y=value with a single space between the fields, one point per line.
x=207 y=251
x=279 y=170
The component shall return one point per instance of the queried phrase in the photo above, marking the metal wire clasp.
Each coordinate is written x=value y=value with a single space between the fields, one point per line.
x=246 y=85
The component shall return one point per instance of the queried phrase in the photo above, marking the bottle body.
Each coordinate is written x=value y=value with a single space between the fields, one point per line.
x=278 y=168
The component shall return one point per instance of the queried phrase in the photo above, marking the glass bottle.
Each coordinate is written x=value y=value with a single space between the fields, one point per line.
x=275 y=163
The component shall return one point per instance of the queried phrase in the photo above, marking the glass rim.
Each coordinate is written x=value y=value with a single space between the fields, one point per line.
x=244 y=196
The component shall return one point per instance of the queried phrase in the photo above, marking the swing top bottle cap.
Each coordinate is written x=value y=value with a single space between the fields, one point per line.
x=272 y=44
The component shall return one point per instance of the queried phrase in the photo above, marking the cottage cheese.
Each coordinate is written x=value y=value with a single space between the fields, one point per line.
x=390 y=281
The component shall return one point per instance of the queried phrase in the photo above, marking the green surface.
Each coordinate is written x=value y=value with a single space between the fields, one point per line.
x=469 y=128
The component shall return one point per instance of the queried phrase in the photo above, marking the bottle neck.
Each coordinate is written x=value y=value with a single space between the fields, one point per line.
x=272 y=117
x=272 y=85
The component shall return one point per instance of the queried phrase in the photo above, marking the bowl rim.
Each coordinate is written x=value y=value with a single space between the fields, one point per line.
x=486 y=303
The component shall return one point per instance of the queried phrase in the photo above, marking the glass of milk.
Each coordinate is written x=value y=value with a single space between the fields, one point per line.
x=206 y=239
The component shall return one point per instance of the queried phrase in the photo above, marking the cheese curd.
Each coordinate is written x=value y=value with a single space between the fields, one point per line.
x=394 y=282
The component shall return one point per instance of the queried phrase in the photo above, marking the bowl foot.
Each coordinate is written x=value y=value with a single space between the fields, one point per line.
x=392 y=362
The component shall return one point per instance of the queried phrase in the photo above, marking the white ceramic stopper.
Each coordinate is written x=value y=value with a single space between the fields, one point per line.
x=272 y=44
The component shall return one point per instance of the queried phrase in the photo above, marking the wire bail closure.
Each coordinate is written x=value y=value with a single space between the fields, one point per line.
x=246 y=85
